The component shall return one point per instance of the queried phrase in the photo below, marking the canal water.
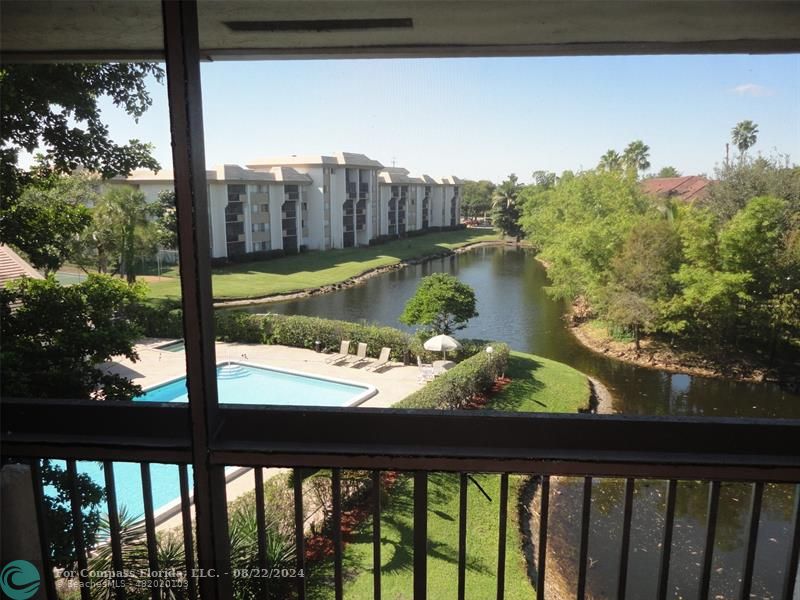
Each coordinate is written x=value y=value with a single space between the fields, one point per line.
x=514 y=307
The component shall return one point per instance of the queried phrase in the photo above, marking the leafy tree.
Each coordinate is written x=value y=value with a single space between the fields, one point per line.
x=642 y=275
x=477 y=197
x=668 y=172
x=636 y=156
x=167 y=219
x=441 y=303
x=737 y=182
x=744 y=136
x=505 y=212
x=59 y=512
x=123 y=227
x=54 y=108
x=48 y=218
x=55 y=337
x=544 y=179
x=610 y=161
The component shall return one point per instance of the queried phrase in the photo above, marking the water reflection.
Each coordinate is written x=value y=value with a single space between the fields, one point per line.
x=515 y=308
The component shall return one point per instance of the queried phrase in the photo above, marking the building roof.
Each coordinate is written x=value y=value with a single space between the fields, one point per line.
x=395 y=175
x=451 y=180
x=341 y=159
x=231 y=173
x=688 y=189
x=13 y=266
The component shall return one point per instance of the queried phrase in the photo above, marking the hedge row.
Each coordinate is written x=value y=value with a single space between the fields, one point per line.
x=456 y=387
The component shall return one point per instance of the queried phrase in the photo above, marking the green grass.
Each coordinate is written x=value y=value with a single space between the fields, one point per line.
x=315 y=269
x=539 y=385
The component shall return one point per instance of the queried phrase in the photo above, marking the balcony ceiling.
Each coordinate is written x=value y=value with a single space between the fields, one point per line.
x=44 y=29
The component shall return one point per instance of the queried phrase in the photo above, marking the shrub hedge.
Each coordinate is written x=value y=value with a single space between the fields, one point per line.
x=454 y=388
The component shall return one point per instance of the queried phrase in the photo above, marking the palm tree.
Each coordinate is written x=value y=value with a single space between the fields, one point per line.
x=744 y=135
x=505 y=194
x=636 y=155
x=610 y=161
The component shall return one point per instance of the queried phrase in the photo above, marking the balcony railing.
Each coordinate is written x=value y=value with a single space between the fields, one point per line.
x=420 y=443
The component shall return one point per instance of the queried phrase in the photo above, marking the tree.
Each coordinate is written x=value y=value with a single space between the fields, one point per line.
x=54 y=108
x=167 y=219
x=668 y=172
x=55 y=337
x=48 y=218
x=545 y=180
x=476 y=197
x=636 y=156
x=610 y=161
x=441 y=303
x=123 y=228
x=505 y=213
x=744 y=136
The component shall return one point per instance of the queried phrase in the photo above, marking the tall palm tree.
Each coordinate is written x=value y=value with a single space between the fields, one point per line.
x=610 y=161
x=505 y=194
x=636 y=156
x=744 y=135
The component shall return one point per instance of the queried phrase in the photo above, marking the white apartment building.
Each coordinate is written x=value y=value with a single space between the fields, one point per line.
x=316 y=202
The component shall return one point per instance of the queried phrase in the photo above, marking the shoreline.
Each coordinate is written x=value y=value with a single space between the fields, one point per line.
x=358 y=279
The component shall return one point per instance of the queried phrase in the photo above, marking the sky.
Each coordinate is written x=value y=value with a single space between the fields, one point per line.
x=483 y=118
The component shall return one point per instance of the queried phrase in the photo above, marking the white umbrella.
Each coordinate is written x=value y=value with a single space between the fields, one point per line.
x=441 y=343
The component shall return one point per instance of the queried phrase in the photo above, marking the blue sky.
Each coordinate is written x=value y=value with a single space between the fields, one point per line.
x=485 y=118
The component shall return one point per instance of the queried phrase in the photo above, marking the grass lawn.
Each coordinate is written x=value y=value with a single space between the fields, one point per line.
x=539 y=385
x=315 y=269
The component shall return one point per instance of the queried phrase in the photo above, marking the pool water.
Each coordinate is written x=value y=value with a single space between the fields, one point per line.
x=238 y=383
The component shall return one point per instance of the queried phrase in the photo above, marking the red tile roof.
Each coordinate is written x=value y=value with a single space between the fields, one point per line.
x=688 y=189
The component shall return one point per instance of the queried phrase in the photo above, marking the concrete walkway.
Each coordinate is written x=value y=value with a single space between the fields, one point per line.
x=156 y=366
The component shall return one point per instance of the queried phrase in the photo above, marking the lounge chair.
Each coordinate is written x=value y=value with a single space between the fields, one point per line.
x=383 y=359
x=426 y=371
x=359 y=357
x=344 y=352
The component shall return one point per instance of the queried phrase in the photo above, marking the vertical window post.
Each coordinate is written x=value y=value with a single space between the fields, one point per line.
x=188 y=157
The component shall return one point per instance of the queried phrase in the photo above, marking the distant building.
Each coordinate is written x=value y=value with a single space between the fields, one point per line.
x=13 y=266
x=686 y=189
x=318 y=202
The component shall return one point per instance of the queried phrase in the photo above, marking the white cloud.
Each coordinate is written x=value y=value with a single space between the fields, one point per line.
x=753 y=89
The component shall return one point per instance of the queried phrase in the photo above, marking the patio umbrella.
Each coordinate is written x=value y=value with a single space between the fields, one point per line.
x=441 y=343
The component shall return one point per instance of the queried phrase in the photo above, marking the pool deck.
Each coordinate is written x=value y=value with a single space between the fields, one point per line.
x=156 y=366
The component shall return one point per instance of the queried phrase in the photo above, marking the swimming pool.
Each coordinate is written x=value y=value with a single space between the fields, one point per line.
x=238 y=383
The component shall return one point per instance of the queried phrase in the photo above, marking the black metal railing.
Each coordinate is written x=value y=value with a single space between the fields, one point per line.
x=420 y=443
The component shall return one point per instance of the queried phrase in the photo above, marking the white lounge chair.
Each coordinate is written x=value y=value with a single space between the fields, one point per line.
x=383 y=359
x=344 y=352
x=359 y=357
x=426 y=371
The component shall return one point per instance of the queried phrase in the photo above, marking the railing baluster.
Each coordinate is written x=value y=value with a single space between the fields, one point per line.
x=420 y=535
x=113 y=526
x=462 y=535
x=584 y=549
x=261 y=526
x=376 y=535
x=336 y=485
x=752 y=539
x=44 y=534
x=501 y=542
x=77 y=527
x=711 y=532
x=150 y=526
x=299 y=533
x=544 y=510
x=627 y=515
x=794 y=549
x=186 y=518
x=666 y=543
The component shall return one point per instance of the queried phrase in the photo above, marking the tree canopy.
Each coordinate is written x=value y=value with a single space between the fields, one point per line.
x=505 y=212
x=441 y=303
x=744 y=135
x=476 y=197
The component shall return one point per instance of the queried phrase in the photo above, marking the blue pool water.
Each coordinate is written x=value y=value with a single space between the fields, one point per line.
x=238 y=384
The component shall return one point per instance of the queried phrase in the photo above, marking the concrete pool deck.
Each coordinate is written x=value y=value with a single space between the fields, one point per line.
x=156 y=366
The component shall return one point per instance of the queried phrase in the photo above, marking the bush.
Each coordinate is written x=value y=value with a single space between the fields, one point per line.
x=454 y=388
x=162 y=319
x=239 y=326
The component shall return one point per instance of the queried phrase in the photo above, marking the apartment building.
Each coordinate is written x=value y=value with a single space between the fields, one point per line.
x=318 y=202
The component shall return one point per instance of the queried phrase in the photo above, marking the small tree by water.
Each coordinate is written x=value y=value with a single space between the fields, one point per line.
x=441 y=303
